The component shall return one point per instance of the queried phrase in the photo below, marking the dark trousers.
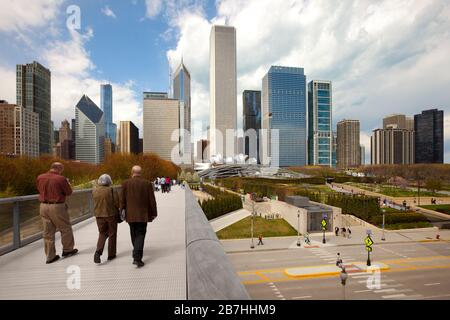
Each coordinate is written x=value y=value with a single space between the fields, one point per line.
x=138 y=231
x=107 y=228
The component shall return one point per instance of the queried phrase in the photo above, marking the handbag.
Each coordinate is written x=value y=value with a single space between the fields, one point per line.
x=119 y=212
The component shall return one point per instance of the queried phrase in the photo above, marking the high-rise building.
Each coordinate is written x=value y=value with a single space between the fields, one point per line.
x=392 y=146
x=362 y=152
x=182 y=92
x=284 y=108
x=109 y=147
x=73 y=130
x=90 y=131
x=222 y=89
x=65 y=133
x=399 y=121
x=429 y=142
x=65 y=143
x=128 y=137
x=33 y=91
x=106 y=105
x=320 y=134
x=348 y=149
x=202 y=153
x=19 y=131
x=161 y=117
x=334 y=150
x=251 y=102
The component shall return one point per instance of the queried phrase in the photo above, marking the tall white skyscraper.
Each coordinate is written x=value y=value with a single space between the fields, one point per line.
x=182 y=92
x=222 y=88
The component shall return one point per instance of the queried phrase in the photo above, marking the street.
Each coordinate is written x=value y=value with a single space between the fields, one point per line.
x=417 y=270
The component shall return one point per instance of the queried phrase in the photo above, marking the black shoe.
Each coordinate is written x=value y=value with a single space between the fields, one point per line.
x=138 y=263
x=112 y=257
x=97 y=258
x=70 y=253
x=56 y=258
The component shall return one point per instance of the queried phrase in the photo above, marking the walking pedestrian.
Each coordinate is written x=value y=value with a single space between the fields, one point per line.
x=336 y=231
x=163 y=184
x=106 y=211
x=53 y=189
x=349 y=232
x=260 y=242
x=343 y=231
x=138 y=201
x=339 y=261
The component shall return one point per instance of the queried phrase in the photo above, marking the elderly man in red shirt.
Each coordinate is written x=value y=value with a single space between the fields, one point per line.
x=53 y=188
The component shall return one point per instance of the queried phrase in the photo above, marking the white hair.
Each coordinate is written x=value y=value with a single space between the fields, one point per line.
x=104 y=180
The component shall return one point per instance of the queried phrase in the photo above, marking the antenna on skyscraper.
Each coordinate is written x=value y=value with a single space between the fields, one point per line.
x=170 y=93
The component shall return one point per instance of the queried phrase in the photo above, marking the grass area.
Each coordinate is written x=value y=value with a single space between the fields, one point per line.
x=392 y=191
x=409 y=225
x=443 y=208
x=268 y=228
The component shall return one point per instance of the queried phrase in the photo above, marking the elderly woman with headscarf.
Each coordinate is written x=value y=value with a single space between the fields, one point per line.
x=106 y=209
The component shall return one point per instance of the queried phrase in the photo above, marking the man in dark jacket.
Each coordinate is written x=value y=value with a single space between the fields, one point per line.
x=138 y=200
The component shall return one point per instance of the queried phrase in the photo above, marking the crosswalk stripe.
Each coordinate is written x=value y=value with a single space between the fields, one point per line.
x=393 y=296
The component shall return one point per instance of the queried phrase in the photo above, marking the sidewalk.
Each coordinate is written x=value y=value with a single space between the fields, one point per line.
x=357 y=238
x=228 y=219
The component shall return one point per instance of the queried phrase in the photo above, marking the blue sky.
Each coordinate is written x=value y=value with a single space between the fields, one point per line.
x=383 y=56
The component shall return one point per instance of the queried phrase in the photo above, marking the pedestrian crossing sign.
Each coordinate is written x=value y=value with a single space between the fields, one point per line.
x=368 y=241
x=324 y=223
x=369 y=249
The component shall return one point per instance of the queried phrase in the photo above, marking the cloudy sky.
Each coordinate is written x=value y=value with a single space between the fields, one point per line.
x=382 y=56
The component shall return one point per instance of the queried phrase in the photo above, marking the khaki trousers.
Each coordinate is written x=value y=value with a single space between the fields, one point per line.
x=56 y=217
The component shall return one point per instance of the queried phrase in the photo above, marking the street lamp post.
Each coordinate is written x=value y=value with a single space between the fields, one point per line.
x=324 y=216
x=383 y=237
x=252 y=246
x=298 y=228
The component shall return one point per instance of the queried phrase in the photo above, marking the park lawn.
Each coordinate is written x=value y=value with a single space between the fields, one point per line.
x=409 y=225
x=392 y=191
x=443 y=208
x=268 y=228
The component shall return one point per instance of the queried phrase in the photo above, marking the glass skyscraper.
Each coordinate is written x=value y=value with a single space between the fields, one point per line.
x=106 y=103
x=429 y=142
x=251 y=101
x=320 y=134
x=182 y=92
x=284 y=108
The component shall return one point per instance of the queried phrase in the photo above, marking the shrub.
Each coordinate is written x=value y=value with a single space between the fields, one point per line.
x=223 y=202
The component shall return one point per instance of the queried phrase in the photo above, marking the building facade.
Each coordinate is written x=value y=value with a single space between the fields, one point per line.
x=429 y=142
x=362 y=151
x=392 y=146
x=348 y=149
x=106 y=105
x=33 y=92
x=161 y=117
x=399 y=121
x=251 y=102
x=284 y=109
x=320 y=134
x=182 y=92
x=222 y=88
x=202 y=151
x=90 y=131
x=128 y=138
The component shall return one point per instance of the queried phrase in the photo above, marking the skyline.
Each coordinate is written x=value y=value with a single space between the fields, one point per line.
x=377 y=72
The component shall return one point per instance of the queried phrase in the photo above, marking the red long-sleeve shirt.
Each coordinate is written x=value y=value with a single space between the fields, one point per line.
x=53 y=187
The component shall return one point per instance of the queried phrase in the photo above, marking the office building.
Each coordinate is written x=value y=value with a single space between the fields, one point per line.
x=128 y=138
x=320 y=135
x=429 y=141
x=182 y=92
x=392 y=146
x=399 y=121
x=33 y=92
x=348 y=149
x=284 y=109
x=222 y=89
x=19 y=131
x=202 y=152
x=106 y=105
x=90 y=131
x=362 y=151
x=161 y=117
x=251 y=102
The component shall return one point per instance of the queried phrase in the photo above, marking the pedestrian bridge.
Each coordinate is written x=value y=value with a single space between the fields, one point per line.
x=183 y=257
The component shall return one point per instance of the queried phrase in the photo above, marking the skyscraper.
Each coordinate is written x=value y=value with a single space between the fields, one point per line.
x=348 y=149
x=66 y=144
x=202 y=153
x=161 y=117
x=363 y=154
x=429 y=143
x=19 y=131
x=284 y=108
x=320 y=134
x=90 y=131
x=128 y=137
x=182 y=92
x=106 y=105
x=392 y=146
x=251 y=102
x=33 y=91
x=222 y=88
x=399 y=121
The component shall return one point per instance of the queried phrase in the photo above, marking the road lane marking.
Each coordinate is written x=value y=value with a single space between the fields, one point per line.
x=393 y=252
x=432 y=284
x=360 y=291
x=302 y=297
x=393 y=296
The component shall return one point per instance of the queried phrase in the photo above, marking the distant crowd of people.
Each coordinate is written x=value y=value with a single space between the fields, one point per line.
x=136 y=204
x=346 y=232
x=164 y=184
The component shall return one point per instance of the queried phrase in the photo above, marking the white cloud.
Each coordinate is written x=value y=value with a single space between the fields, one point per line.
x=383 y=57
x=153 y=8
x=8 y=84
x=108 y=12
